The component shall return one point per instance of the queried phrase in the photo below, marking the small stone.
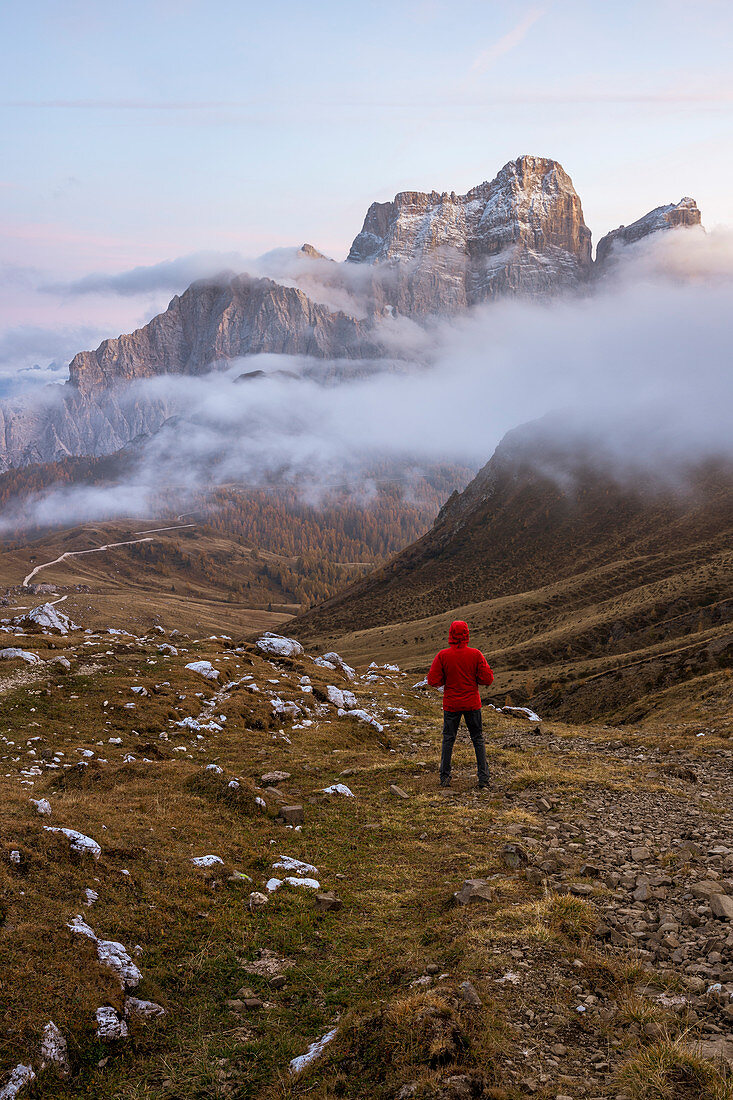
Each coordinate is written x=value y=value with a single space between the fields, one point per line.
x=641 y=854
x=473 y=890
x=144 y=1010
x=271 y=779
x=292 y=815
x=327 y=901
x=721 y=906
x=468 y=995
x=397 y=791
x=257 y=900
x=705 y=889
x=513 y=856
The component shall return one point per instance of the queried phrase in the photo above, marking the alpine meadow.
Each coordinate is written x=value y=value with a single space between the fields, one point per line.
x=366 y=551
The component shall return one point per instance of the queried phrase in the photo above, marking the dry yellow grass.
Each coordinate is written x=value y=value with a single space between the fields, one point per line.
x=401 y=861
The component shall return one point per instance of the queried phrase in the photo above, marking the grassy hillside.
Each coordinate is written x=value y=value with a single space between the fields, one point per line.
x=592 y=595
x=559 y=980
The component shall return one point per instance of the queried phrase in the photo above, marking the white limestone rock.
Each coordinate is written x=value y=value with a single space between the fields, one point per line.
x=338 y=788
x=277 y=646
x=54 y=1050
x=285 y=708
x=313 y=1052
x=14 y=654
x=81 y=844
x=205 y=669
x=18 y=1079
x=289 y=863
x=111 y=954
x=341 y=698
x=49 y=619
x=521 y=712
x=362 y=716
x=109 y=1025
x=337 y=660
x=207 y=861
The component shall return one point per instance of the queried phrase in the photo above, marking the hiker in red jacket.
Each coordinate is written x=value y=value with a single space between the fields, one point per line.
x=461 y=669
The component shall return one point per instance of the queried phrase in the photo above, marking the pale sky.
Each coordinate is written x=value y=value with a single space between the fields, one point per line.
x=140 y=132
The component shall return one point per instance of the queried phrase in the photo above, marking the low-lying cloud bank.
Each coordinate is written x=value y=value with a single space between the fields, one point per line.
x=643 y=365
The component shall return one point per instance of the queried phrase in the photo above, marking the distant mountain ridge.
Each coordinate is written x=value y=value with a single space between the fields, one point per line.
x=219 y=320
x=420 y=256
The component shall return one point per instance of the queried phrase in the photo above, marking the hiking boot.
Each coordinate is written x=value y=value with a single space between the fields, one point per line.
x=484 y=786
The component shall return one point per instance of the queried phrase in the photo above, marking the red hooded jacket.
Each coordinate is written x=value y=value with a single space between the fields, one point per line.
x=461 y=669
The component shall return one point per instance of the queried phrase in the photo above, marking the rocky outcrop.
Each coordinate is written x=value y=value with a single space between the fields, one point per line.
x=683 y=214
x=522 y=233
x=215 y=321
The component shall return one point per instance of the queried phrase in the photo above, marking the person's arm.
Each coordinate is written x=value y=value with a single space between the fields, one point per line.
x=484 y=675
x=436 y=676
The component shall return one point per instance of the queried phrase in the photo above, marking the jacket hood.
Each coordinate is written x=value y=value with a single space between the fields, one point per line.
x=458 y=633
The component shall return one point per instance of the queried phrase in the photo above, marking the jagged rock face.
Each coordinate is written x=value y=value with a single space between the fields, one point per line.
x=99 y=411
x=521 y=233
x=68 y=422
x=216 y=321
x=683 y=214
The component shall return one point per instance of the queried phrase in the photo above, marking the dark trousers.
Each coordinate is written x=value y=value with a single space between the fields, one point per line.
x=451 y=722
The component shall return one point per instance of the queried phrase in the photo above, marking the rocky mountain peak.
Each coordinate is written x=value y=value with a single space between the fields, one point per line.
x=522 y=232
x=682 y=214
x=311 y=253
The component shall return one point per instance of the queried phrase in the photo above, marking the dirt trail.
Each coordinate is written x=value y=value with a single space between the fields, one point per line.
x=78 y=553
x=158 y=530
